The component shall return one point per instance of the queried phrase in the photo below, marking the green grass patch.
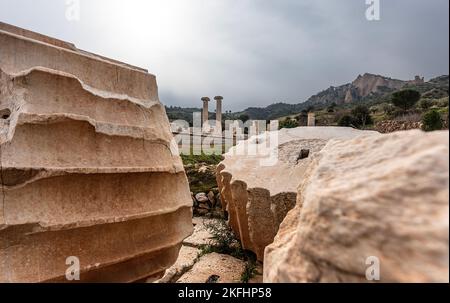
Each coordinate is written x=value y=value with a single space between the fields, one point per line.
x=203 y=158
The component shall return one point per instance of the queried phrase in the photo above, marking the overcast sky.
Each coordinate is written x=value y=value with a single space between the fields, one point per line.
x=253 y=52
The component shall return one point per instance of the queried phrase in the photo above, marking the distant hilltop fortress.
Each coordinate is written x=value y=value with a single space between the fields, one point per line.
x=363 y=86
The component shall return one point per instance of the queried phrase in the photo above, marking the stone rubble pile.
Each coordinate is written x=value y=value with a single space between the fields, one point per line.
x=390 y=126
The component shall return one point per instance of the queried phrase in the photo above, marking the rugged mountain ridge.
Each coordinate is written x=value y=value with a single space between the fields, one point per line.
x=365 y=88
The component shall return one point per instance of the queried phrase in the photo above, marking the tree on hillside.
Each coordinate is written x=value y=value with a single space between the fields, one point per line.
x=310 y=109
x=432 y=121
x=289 y=123
x=244 y=118
x=405 y=99
x=346 y=121
x=388 y=108
x=331 y=108
x=302 y=119
x=361 y=116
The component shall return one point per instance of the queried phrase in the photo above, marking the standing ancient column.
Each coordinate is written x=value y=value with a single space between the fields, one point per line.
x=205 y=115
x=219 y=114
x=311 y=119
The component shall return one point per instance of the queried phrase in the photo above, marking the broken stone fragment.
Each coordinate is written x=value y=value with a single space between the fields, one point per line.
x=203 y=169
x=212 y=198
x=201 y=198
x=372 y=201
x=256 y=194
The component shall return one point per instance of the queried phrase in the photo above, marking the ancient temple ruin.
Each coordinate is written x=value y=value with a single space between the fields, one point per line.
x=217 y=126
x=88 y=167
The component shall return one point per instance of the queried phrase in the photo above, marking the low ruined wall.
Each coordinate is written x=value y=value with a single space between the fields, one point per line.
x=380 y=198
x=88 y=168
x=390 y=126
x=256 y=194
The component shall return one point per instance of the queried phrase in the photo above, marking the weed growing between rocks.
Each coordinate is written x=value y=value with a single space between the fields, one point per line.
x=224 y=241
x=250 y=270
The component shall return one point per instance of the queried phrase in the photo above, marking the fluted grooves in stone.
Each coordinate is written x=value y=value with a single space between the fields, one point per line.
x=258 y=197
x=88 y=166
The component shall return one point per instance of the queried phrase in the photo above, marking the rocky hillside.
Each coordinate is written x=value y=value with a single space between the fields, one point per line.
x=179 y=113
x=367 y=88
x=272 y=111
x=363 y=87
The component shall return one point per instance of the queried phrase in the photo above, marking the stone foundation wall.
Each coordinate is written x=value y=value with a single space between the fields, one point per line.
x=391 y=126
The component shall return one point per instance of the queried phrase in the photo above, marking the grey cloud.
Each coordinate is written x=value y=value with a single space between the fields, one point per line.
x=253 y=52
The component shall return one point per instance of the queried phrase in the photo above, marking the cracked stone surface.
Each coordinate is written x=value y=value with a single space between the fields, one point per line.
x=186 y=259
x=86 y=158
x=383 y=196
x=201 y=235
x=227 y=268
x=257 y=193
x=189 y=268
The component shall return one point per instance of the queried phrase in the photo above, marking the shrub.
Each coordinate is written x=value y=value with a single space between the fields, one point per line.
x=346 y=121
x=405 y=99
x=289 y=123
x=432 y=121
x=375 y=109
x=443 y=102
x=388 y=108
x=332 y=107
x=361 y=116
x=425 y=104
x=223 y=239
x=244 y=118
x=409 y=117
x=250 y=270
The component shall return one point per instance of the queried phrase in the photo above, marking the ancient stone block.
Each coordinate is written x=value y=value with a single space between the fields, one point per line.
x=383 y=196
x=88 y=167
x=258 y=195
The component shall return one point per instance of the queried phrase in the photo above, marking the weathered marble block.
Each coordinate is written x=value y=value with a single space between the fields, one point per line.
x=88 y=166
x=374 y=203
x=258 y=194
